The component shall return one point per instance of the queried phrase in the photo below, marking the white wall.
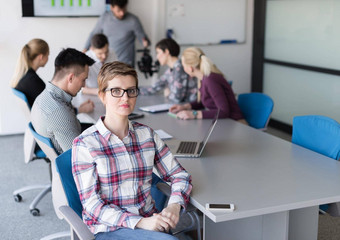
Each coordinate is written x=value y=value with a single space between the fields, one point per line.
x=15 y=31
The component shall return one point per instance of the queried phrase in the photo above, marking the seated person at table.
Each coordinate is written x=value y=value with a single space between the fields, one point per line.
x=178 y=86
x=33 y=56
x=215 y=91
x=112 y=164
x=101 y=53
x=52 y=114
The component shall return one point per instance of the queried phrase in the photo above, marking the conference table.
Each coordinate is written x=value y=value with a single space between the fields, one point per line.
x=276 y=186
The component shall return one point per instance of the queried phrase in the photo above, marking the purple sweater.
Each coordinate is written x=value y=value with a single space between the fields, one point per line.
x=217 y=93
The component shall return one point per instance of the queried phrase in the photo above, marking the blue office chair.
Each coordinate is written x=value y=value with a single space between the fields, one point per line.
x=322 y=135
x=31 y=153
x=58 y=196
x=72 y=212
x=256 y=109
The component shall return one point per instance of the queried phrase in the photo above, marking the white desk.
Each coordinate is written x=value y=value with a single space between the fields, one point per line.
x=276 y=186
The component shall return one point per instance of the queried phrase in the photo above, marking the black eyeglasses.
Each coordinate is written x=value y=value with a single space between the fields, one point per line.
x=118 y=92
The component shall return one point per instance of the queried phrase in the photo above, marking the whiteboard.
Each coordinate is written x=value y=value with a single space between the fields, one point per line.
x=206 y=21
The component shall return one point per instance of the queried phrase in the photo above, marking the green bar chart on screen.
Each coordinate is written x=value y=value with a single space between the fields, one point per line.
x=68 y=8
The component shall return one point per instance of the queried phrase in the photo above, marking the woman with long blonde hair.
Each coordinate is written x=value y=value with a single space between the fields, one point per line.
x=33 y=56
x=215 y=92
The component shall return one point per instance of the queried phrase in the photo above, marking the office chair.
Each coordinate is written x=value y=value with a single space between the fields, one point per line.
x=31 y=153
x=322 y=135
x=58 y=198
x=72 y=212
x=256 y=109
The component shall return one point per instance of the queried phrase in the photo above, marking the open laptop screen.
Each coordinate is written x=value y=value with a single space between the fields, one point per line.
x=212 y=126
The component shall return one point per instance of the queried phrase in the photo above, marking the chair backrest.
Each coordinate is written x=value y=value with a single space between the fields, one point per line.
x=318 y=133
x=23 y=102
x=45 y=143
x=256 y=109
x=29 y=141
x=64 y=168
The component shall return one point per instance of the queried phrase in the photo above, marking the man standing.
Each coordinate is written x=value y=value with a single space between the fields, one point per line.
x=121 y=29
x=101 y=53
x=52 y=114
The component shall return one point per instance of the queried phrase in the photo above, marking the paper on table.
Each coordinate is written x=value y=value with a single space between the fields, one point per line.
x=163 y=135
x=164 y=107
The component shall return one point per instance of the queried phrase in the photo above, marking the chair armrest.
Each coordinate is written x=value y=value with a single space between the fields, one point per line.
x=76 y=223
x=190 y=210
x=164 y=188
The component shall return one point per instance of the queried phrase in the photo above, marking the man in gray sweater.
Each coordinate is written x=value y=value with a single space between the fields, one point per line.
x=121 y=29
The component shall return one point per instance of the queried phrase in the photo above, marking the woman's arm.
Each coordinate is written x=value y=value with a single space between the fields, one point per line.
x=157 y=86
x=170 y=170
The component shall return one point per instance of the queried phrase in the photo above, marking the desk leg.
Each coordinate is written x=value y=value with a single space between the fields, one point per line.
x=275 y=226
x=303 y=223
x=266 y=227
x=240 y=229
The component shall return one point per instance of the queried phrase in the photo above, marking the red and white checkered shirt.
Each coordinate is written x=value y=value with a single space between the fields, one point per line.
x=114 y=176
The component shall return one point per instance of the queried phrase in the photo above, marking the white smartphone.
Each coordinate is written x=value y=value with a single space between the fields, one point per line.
x=220 y=206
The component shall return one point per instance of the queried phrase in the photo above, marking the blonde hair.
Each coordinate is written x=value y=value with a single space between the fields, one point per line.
x=28 y=53
x=113 y=69
x=196 y=58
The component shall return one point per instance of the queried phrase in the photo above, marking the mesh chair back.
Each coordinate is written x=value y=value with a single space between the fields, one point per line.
x=256 y=109
x=318 y=133
x=64 y=168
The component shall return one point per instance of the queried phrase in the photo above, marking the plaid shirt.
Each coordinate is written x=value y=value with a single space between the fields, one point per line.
x=113 y=176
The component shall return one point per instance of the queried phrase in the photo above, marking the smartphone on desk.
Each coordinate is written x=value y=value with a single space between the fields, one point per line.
x=133 y=116
x=226 y=207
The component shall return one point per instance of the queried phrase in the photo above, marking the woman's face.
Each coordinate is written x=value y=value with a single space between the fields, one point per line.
x=188 y=69
x=120 y=106
x=162 y=56
x=44 y=59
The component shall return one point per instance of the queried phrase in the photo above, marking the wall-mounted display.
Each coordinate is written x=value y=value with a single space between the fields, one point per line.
x=63 y=8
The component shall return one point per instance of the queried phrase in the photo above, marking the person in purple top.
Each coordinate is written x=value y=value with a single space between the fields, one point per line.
x=215 y=92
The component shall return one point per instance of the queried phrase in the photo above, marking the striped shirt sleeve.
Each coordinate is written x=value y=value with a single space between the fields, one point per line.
x=170 y=170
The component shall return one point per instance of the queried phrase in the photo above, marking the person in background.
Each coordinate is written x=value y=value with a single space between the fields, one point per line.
x=178 y=86
x=52 y=114
x=33 y=56
x=121 y=29
x=215 y=92
x=112 y=164
x=101 y=53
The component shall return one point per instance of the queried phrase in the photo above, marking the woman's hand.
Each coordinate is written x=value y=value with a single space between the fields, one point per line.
x=171 y=213
x=154 y=223
x=179 y=107
x=185 y=115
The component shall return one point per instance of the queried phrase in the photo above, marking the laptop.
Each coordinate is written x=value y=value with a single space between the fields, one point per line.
x=191 y=148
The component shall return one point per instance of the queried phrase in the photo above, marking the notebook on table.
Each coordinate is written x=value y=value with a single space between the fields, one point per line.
x=191 y=148
x=156 y=108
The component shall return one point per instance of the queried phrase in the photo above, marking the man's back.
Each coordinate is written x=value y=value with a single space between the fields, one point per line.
x=53 y=116
x=121 y=34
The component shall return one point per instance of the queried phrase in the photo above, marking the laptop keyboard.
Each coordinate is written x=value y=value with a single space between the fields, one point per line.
x=187 y=147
